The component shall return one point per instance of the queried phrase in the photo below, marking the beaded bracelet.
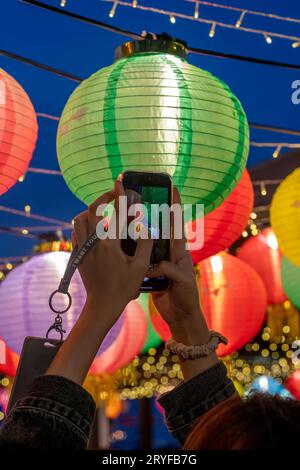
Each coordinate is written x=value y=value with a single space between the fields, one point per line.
x=194 y=352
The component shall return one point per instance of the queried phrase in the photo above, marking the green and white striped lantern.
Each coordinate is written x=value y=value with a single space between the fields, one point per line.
x=153 y=111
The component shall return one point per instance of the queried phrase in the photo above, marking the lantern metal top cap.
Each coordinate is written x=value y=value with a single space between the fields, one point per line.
x=163 y=44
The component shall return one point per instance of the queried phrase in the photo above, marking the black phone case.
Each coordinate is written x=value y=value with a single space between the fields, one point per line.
x=36 y=357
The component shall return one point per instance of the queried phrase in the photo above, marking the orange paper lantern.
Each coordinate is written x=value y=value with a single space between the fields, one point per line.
x=233 y=300
x=262 y=254
x=18 y=131
x=224 y=225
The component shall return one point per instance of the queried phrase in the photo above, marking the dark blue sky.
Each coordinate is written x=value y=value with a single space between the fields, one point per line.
x=81 y=49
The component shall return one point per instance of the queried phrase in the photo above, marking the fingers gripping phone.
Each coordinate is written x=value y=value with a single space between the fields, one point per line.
x=151 y=195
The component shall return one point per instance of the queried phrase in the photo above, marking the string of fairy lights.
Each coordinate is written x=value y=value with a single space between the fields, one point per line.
x=237 y=24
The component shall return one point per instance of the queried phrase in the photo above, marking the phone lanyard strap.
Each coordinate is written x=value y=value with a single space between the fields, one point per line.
x=76 y=257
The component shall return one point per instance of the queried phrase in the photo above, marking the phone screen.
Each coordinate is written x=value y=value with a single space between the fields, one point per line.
x=151 y=191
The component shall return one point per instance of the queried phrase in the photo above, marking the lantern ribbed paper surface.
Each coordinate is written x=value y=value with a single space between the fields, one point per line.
x=18 y=131
x=154 y=112
x=290 y=275
x=285 y=216
x=24 y=296
x=262 y=254
x=233 y=298
x=224 y=225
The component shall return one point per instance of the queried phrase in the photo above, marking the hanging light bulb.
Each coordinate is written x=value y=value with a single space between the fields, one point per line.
x=263 y=189
x=268 y=38
x=134 y=3
x=113 y=10
x=239 y=21
x=172 y=19
x=212 y=30
x=63 y=3
x=277 y=151
x=295 y=44
x=27 y=209
x=196 y=12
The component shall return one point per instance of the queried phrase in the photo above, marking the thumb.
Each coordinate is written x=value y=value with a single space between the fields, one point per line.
x=168 y=269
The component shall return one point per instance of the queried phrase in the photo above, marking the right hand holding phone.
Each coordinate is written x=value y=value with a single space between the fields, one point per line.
x=179 y=305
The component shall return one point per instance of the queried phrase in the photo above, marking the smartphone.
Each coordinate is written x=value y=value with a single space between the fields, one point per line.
x=154 y=192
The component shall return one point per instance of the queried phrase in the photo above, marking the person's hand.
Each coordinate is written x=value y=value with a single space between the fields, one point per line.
x=181 y=300
x=111 y=280
x=110 y=277
x=179 y=305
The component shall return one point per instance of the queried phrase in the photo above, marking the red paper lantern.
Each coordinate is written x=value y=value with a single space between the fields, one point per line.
x=18 y=131
x=127 y=345
x=293 y=384
x=233 y=300
x=224 y=225
x=8 y=360
x=262 y=254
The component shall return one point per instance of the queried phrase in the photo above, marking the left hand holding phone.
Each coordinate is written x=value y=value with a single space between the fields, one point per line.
x=111 y=278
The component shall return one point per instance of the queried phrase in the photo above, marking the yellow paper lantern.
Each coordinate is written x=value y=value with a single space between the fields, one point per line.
x=285 y=216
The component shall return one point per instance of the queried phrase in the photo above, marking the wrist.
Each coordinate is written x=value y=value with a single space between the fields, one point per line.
x=191 y=330
x=101 y=313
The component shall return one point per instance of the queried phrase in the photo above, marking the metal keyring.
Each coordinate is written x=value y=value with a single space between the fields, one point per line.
x=61 y=332
x=51 y=298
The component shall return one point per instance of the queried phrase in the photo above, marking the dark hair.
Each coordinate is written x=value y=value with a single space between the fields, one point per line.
x=259 y=421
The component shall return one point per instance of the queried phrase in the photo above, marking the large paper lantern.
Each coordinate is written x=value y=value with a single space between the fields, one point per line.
x=262 y=254
x=223 y=226
x=285 y=216
x=293 y=384
x=290 y=275
x=153 y=111
x=233 y=300
x=127 y=345
x=18 y=131
x=24 y=295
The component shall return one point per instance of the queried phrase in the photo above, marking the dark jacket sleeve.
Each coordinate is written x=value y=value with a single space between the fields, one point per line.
x=191 y=399
x=56 y=414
